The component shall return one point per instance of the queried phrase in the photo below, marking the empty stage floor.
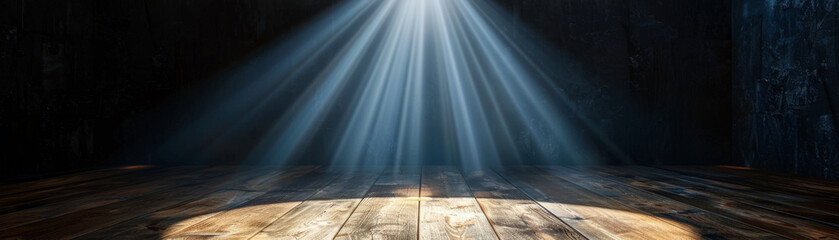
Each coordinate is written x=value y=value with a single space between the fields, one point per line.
x=525 y=202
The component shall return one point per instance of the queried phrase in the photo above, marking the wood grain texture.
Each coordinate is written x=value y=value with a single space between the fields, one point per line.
x=513 y=214
x=791 y=189
x=790 y=181
x=110 y=191
x=83 y=222
x=447 y=208
x=593 y=215
x=175 y=218
x=779 y=224
x=248 y=219
x=436 y=203
x=709 y=225
x=45 y=196
x=778 y=202
x=65 y=180
x=322 y=216
x=390 y=210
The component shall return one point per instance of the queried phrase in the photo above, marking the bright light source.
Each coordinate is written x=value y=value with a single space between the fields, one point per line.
x=395 y=82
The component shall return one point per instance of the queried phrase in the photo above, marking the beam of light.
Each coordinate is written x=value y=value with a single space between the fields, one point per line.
x=375 y=83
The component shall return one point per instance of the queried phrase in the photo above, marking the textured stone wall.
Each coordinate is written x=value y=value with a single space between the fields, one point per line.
x=786 y=86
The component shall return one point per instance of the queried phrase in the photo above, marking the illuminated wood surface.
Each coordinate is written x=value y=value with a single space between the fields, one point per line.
x=434 y=202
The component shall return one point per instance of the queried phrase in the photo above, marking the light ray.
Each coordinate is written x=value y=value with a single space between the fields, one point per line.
x=378 y=83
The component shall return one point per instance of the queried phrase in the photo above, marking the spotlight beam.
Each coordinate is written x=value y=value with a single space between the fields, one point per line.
x=399 y=82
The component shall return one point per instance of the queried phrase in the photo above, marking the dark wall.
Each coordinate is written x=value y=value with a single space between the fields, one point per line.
x=77 y=72
x=662 y=71
x=73 y=72
x=786 y=86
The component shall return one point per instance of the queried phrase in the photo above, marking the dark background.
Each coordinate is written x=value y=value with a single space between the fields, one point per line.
x=750 y=83
x=786 y=86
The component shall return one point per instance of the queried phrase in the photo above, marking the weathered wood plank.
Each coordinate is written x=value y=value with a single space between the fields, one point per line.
x=67 y=179
x=762 y=199
x=623 y=202
x=390 y=210
x=248 y=219
x=40 y=197
x=709 y=225
x=779 y=224
x=82 y=222
x=769 y=178
x=512 y=214
x=447 y=208
x=176 y=218
x=110 y=191
x=322 y=216
x=592 y=215
x=783 y=189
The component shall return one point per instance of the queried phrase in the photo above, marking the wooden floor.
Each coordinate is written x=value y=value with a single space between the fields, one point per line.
x=429 y=203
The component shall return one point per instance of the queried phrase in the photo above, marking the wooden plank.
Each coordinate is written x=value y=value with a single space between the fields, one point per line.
x=758 y=198
x=796 y=194
x=86 y=198
x=390 y=210
x=512 y=214
x=448 y=210
x=178 y=217
x=792 y=181
x=82 y=222
x=787 y=183
x=779 y=224
x=322 y=215
x=40 y=197
x=709 y=225
x=248 y=219
x=592 y=215
x=67 y=179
